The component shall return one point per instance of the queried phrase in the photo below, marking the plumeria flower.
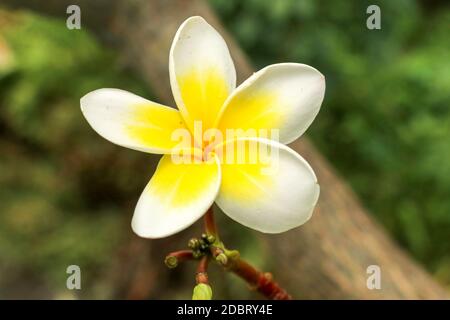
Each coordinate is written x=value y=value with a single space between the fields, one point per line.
x=285 y=97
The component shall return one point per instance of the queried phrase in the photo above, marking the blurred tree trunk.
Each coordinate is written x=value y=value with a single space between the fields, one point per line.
x=326 y=258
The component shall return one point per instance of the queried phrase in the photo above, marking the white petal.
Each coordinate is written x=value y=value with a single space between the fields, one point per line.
x=285 y=96
x=131 y=121
x=202 y=73
x=270 y=194
x=176 y=196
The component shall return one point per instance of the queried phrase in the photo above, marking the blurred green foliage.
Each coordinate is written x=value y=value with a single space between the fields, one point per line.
x=57 y=207
x=385 y=121
x=385 y=125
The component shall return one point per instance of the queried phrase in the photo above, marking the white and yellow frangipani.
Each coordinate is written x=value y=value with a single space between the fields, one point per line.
x=285 y=97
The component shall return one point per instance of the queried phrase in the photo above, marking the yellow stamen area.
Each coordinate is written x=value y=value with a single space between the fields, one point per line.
x=181 y=184
x=203 y=92
x=153 y=125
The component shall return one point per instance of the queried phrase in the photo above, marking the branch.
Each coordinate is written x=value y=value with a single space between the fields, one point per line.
x=262 y=282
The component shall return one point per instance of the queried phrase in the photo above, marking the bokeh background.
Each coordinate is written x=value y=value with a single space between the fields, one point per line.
x=67 y=195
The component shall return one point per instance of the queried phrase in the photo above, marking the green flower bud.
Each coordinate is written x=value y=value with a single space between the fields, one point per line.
x=202 y=291
x=222 y=258
x=194 y=243
x=210 y=239
x=233 y=255
x=171 y=262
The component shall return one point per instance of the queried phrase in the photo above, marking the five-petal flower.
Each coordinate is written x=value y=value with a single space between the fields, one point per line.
x=284 y=97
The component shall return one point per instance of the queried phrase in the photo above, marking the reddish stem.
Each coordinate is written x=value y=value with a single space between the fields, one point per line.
x=262 y=282
x=210 y=224
x=202 y=275
x=181 y=255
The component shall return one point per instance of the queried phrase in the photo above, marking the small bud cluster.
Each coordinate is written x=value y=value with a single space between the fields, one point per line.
x=200 y=246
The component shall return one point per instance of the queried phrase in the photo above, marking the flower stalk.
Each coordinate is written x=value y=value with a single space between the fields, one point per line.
x=202 y=275
x=210 y=224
